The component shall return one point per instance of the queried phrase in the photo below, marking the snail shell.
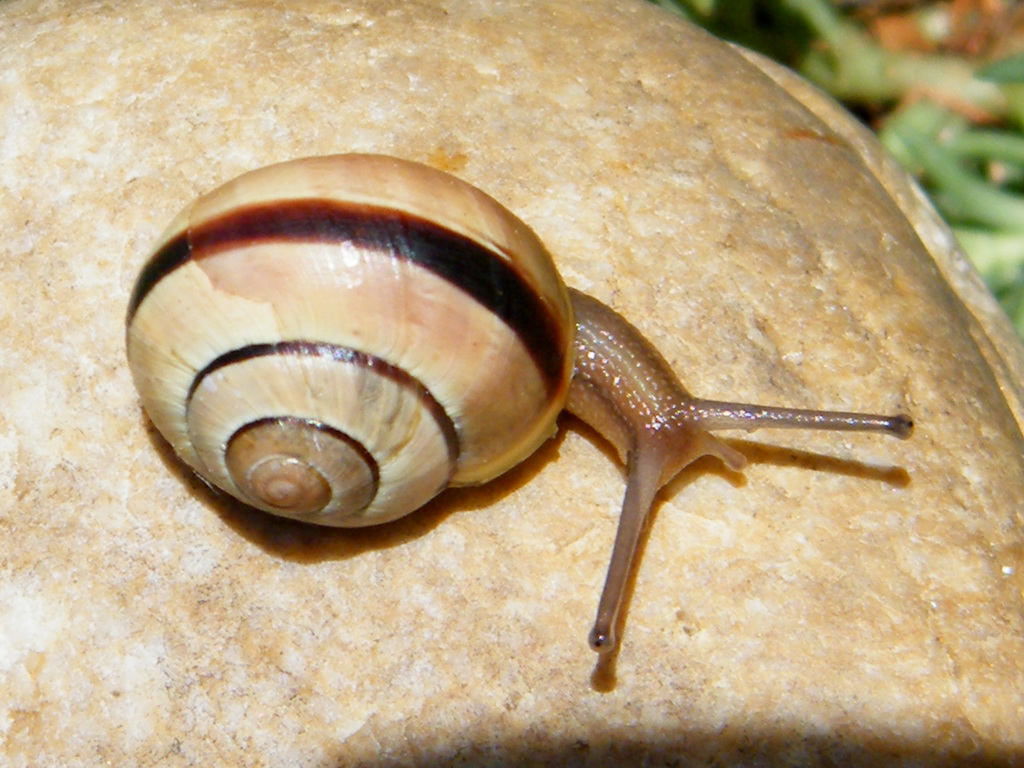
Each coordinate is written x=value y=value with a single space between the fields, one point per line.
x=338 y=339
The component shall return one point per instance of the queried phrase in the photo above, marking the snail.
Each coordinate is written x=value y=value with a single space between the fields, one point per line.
x=338 y=339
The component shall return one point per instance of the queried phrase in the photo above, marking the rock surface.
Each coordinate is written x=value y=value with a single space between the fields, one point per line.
x=848 y=600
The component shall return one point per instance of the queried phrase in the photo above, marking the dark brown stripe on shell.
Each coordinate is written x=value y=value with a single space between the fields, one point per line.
x=172 y=255
x=327 y=429
x=347 y=356
x=477 y=271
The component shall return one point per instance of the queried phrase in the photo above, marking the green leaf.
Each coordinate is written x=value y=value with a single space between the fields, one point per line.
x=1008 y=70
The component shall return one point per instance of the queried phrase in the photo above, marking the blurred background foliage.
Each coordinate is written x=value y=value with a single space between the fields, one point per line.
x=940 y=82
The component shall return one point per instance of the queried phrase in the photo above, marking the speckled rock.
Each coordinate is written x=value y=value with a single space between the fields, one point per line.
x=848 y=600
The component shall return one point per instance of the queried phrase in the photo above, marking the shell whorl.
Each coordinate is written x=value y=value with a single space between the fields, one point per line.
x=338 y=339
x=299 y=466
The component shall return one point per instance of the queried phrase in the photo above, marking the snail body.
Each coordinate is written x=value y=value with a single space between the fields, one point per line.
x=338 y=339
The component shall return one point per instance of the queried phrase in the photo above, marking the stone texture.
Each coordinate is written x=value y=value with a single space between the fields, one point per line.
x=849 y=600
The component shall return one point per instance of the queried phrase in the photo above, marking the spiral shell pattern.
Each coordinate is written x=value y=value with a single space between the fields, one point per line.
x=339 y=338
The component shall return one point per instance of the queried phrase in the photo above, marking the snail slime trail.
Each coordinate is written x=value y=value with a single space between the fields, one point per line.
x=286 y=383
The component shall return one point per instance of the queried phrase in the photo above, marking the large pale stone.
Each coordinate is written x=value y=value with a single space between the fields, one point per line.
x=849 y=600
